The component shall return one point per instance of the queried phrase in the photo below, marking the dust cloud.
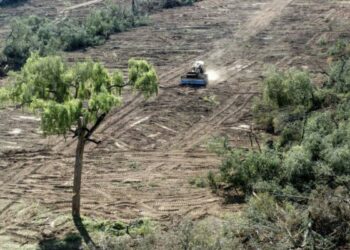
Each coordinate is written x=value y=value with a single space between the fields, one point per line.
x=213 y=75
x=216 y=76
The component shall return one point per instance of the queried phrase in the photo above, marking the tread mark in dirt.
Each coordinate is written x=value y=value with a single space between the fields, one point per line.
x=173 y=165
x=272 y=9
x=207 y=129
x=17 y=180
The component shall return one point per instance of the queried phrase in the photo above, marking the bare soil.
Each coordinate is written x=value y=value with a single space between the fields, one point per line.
x=152 y=149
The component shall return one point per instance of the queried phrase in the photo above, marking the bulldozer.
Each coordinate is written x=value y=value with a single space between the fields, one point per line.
x=196 y=77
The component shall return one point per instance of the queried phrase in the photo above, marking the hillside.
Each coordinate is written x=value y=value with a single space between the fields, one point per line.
x=151 y=150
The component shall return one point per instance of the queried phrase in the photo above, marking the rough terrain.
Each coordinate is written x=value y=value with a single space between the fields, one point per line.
x=152 y=149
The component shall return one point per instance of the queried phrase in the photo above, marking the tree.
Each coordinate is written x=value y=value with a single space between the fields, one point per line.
x=75 y=99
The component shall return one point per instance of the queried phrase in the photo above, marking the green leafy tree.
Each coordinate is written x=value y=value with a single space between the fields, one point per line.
x=339 y=71
x=243 y=169
x=75 y=99
x=287 y=97
x=290 y=88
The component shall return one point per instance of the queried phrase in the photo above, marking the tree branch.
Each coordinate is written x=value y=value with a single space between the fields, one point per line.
x=90 y=131
x=95 y=126
x=76 y=131
x=94 y=141
x=119 y=86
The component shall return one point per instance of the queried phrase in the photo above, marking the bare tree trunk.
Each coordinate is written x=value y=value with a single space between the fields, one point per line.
x=78 y=169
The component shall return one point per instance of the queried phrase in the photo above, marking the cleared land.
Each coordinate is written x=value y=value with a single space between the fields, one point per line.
x=152 y=149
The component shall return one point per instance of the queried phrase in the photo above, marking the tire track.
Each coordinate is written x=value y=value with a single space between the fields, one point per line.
x=20 y=176
x=157 y=185
x=254 y=25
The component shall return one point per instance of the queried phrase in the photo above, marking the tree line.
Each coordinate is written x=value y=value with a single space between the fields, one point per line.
x=298 y=184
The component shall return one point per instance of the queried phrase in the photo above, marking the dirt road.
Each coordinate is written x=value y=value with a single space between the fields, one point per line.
x=152 y=149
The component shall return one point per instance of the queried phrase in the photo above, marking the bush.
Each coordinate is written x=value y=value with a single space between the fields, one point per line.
x=287 y=97
x=212 y=181
x=292 y=132
x=244 y=169
x=264 y=114
x=298 y=168
x=287 y=117
x=10 y=2
x=292 y=87
x=340 y=76
x=298 y=192
x=339 y=72
x=325 y=98
x=22 y=39
x=329 y=213
x=342 y=111
x=73 y=37
x=199 y=182
x=35 y=34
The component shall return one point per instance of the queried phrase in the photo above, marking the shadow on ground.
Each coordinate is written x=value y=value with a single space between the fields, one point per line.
x=72 y=241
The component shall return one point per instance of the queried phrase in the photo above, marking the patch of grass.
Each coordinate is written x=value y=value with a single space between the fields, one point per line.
x=134 y=165
x=115 y=228
x=7 y=242
x=140 y=227
x=153 y=184
x=211 y=100
x=199 y=182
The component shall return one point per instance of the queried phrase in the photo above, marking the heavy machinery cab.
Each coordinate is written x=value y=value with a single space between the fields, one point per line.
x=195 y=77
x=198 y=67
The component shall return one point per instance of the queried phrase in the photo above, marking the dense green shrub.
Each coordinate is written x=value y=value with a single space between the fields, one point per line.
x=298 y=189
x=287 y=97
x=36 y=34
x=325 y=98
x=9 y=2
x=243 y=169
x=339 y=73
x=73 y=37
x=297 y=168
x=27 y=35
x=342 y=111
x=322 y=158
x=100 y=24
x=264 y=114
x=340 y=76
x=292 y=87
x=291 y=132
x=265 y=223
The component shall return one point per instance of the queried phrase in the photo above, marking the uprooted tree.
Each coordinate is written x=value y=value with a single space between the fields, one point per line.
x=75 y=99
